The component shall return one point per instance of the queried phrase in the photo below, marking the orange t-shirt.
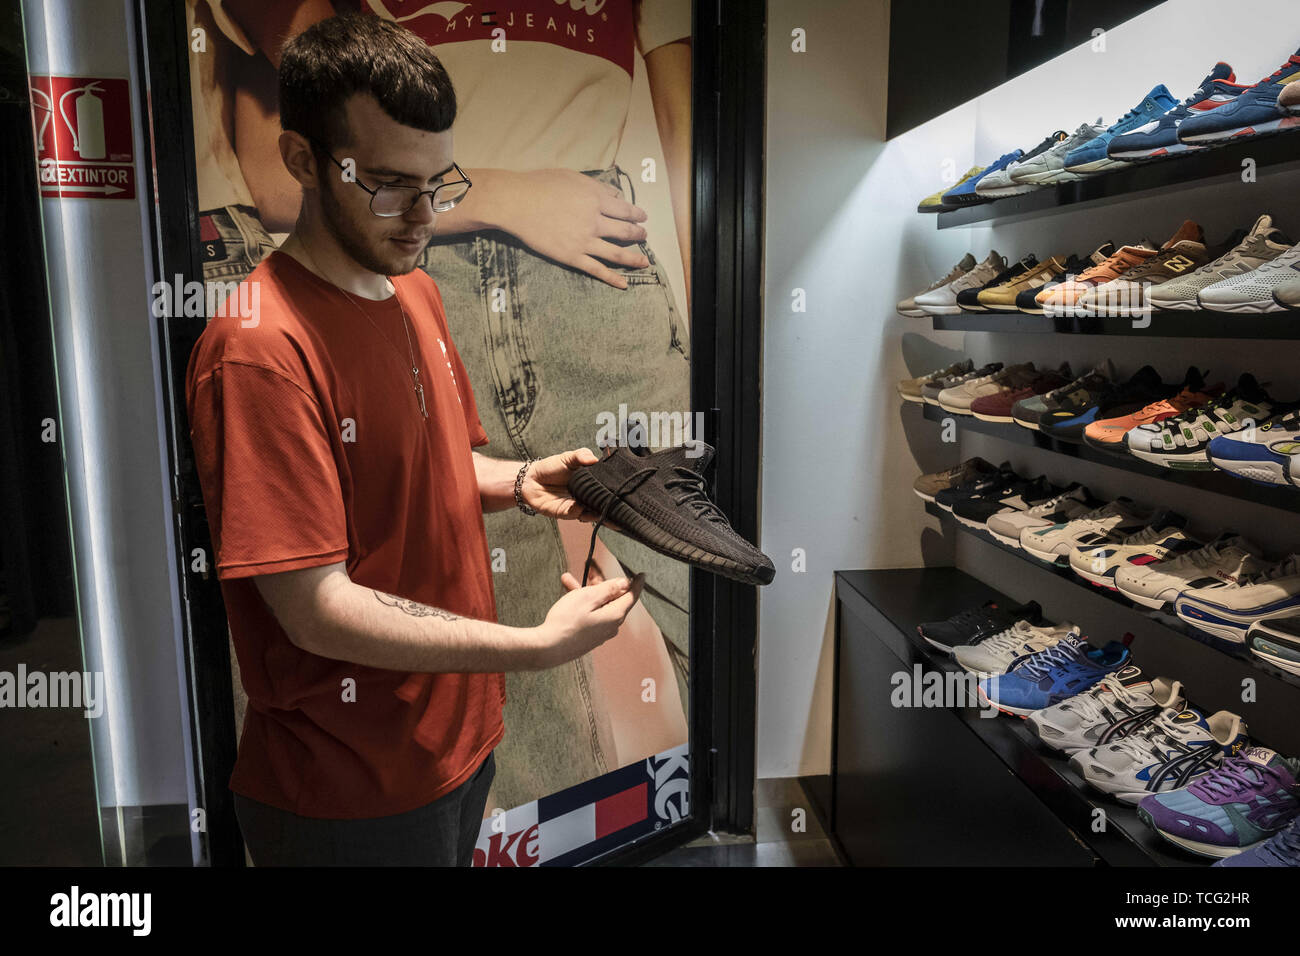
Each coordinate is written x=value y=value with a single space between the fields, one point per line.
x=311 y=450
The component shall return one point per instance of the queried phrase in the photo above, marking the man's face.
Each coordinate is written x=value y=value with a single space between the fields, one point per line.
x=385 y=153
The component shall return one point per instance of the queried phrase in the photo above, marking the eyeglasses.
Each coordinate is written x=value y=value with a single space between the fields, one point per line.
x=389 y=201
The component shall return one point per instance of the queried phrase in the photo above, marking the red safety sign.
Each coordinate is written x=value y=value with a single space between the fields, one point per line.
x=83 y=137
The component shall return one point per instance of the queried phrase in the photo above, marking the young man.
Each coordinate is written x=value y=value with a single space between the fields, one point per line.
x=333 y=432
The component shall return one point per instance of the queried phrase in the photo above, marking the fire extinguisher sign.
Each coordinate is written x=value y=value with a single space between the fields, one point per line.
x=83 y=137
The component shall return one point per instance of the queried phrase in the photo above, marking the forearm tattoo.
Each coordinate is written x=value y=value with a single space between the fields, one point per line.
x=414 y=608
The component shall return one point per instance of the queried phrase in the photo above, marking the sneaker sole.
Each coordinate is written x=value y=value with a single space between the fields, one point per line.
x=1192 y=846
x=1241 y=308
x=954 y=409
x=911 y=398
x=1148 y=155
x=1193 y=462
x=1047 y=557
x=1262 y=472
x=1003 y=191
x=1096 y=580
x=1097 y=166
x=1004 y=419
x=1006 y=539
x=1154 y=603
x=1291 y=667
x=1032 y=426
x=589 y=490
x=943 y=310
x=1250 y=131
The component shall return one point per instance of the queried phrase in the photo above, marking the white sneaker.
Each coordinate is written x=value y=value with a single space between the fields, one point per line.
x=958 y=399
x=908 y=307
x=943 y=300
x=1227 y=612
x=1230 y=559
x=1264 y=243
x=1122 y=703
x=1252 y=292
x=1270 y=456
x=1163 y=538
x=1053 y=544
x=1008 y=525
x=994 y=655
x=1049 y=167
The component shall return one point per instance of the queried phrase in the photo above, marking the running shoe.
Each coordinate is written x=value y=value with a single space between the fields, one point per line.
x=977 y=487
x=1002 y=298
x=1008 y=525
x=1107 y=434
x=1287 y=295
x=1270 y=455
x=999 y=183
x=964 y=194
x=1168 y=753
x=943 y=300
x=1126 y=295
x=1113 y=520
x=930 y=390
x=958 y=399
x=1229 y=559
x=1264 y=243
x=1182 y=443
x=1252 y=292
x=970 y=470
x=974 y=624
x=1280 y=850
x=968 y=300
x=1277 y=642
x=934 y=201
x=1062 y=299
x=1162 y=539
x=1236 y=806
x=1068 y=667
x=1048 y=167
x=1158 y=138
x=1098 y=400
x=908 y=307
x=1020 y=495
x=912 y=389
x=994 y=655
x=1027 y=299
x=1253 y=112
x=997 y=406
x=1030 y=412
x=1227 y=612
x=1119 y=704
x=1091 y=157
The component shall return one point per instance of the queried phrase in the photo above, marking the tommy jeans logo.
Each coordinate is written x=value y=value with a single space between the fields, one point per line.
x=74 y=908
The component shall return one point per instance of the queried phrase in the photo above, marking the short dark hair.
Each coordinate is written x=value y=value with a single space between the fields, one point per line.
x=331 y=60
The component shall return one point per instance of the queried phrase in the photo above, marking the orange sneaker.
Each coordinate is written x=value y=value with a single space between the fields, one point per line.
x=1108 y=433
x=1061 y=299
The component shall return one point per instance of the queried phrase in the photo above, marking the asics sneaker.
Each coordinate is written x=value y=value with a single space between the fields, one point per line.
x=1277 y=642
x=994 y=655
x=958 y=399
x=1068 y=667
x=1116 y=706
x=1264 y=243
x=1162 y=539
x=1269 y=456
x=1227 y=612
x=997 y=407
x=1107 y=434
x=1053 y=544
x=998 y=184
x=964 y=194
x=1280 y=850
x=1252 y=292
x=1167 y=754
x=976 y=488
x=1002 y=298
x=1182 y=442
x=1092 y=156
x=1079 y=408
x=1158 y=138
x=968 y=300
x=1062 y=299
x=943 y=300
x=970 y=470
x=934 y=201
x=1008 y=525
x=1048 y=167
x=974 y=624
x=912 y=389
x=1236 y=806
x=1019 y=495
x=1229 y=559
x=908 y=307
x=1252 y=112
x=1126 y=295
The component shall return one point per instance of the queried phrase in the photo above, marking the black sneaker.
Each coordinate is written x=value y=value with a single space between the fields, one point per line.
x=1079 y=410
x=1033 y=411
x=973 y=625
x=1018 y=495
x=968 y=300
x=978 y=488
x=659 y=499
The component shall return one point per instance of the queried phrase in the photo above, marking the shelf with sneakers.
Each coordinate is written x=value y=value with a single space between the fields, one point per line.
x=1170 y=622
x=1272 y=155
x=1215 y=482
x=1191 y=325
x=894 y=602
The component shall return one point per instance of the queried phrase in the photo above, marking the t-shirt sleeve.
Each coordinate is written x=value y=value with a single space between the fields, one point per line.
x=269 y=479
x=659 y=22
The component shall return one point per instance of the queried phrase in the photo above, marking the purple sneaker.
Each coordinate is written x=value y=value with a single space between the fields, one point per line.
x=1235 y=807
x=1280 y=850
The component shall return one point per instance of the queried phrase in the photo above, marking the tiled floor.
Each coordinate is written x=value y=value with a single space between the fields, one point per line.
x=788 y=833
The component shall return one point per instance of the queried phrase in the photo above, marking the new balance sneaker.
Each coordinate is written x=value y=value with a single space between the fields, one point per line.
x=1126 y=295
x=1236 y=806
x=998 y=184
x=1182 y=442
x=1048 y=167
x=1053 y=544
x=1270 y=455
x=970 y=470
x=1252 y=112
x=1092 y=156
x=1093 y=401
x=1252 y=292
x=1227 y=612
x=974 y=624
x=1280 y=850
x=1264 y=243
x=1062 y=299
x=1068 y=667
x=959 y=398
x=1027 y=299
x=1229 y=559
x=943 y=300
x=934 y=201
x=1158 y=138
x=908 y=307
x=1287 y=295
x=964 y=194
x=997 y=406
x=1002 y=298
x=1167 y=754
x=660 y=499
x=1277 y=642
x=968 y=300
x=1019 y=495
x=1008 y=525
x=1116 y=706
x=912 y=389
x=994 y=655
x=1162 y=539
x=1107 y=434
x=977 y=487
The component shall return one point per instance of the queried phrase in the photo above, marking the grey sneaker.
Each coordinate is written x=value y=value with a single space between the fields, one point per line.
x=910 y=388
x=1288 y=295
x=1048 y=167
x=908 y=307
x=930 y=391
x=1264 y=243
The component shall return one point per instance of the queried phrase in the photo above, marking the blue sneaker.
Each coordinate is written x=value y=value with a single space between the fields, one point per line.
x=1281 y=850
x=1091 y=156
x=963 y=194
x=1039 y=680
x=1254 y=112
x=1159 y=138
x=1269 y=456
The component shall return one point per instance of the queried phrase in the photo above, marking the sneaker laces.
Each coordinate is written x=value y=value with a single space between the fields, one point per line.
x=1148 y=741
x=1285 y=568
x=1089 y=704
x=1236 y=776
x=1285 y=842
x=1010 y=639
x=1201 y=558
x=1146 y=535
x=1039 y=664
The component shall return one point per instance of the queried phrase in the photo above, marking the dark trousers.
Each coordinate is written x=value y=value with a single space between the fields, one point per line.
x=442 y=833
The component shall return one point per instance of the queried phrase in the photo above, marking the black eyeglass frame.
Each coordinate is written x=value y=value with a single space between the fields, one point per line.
x=432 y=193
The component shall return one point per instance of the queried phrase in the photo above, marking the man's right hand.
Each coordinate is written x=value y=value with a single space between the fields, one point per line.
x=584 y=618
